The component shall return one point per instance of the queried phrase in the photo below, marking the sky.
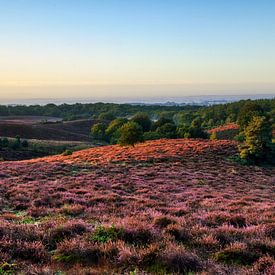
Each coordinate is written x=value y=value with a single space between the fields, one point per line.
x=137 y=48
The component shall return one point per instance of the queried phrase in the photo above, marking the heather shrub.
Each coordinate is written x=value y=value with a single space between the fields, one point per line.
x=208 y=243
x=177 y=259
x=72 y=210
x=20 y=232
x=228 y=234
x=77 y=251
x=104 y=234
x=215 y=219
x=30 y=251
x=127 y=255
x=262 y=246
x=264 y=265
x=180 y=234
x=37 y=212
x=163 y=221
x=138 y=235
x=61 y=232
x=237 y=221
x=236 y=253
x=148 y=255
x=4 y=258
x=270 y=230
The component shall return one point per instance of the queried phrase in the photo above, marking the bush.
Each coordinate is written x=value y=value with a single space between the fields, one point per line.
x=163 y=221
x=77 y=251
x=264 y=265
x=167 y=130
x=236 y=253
x=98 y=131
x=104 y=234
x=61 y=232
x=258 y=141
x=143 y=120
x=107 y=116
x=130 y=134
x=180 y=261
x=112 y=131
x=213 y=136
x=67 y=152
x=138 y=234
x=151 y=135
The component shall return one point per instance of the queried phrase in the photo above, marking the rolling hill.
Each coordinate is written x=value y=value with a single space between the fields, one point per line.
x=36 y=128
x=161 y=207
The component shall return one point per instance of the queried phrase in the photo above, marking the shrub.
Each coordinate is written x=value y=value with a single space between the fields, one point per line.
x=264 y=265
x=258 y=141
x=178 y=260
x=104 y=234
x=98 y=131
x=247 y=112
x=151 y=135
x=112 y=130
x=67 y=152
x=179 y=233
x=213 y=136
x=66 y=231
x=167 y=130
x=72 y=210
x=138 y=234
x=143 y=120
x=236 y=253
x=107 y=116
x=30 y=251
x=130 y=134
x=77 y=251
x=163 y=221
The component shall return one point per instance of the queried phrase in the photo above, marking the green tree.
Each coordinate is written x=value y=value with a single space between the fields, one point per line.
x=143 y=120
x=257 y=146
x=130 y=134
x=98 y=131
x=161 y=121
x=247 y=112
x=107 y=116
x=167 y=130
x=113 y=129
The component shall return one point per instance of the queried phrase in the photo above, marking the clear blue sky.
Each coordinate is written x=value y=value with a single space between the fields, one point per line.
x=108 y=48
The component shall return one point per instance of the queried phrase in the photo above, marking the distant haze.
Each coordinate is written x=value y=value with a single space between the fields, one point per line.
x=138 y=49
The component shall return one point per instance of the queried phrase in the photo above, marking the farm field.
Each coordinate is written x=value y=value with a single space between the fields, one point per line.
x=162 y=207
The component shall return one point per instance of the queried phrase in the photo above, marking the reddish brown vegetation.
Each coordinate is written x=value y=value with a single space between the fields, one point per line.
x=164 y=206
x=227 y=131
x=229 y=126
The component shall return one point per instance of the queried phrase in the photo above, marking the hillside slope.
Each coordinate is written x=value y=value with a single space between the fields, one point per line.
x=77 y=130
x=165 y=206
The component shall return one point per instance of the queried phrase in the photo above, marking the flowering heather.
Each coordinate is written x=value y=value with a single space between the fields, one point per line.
x=227 y=131
x=165 y=206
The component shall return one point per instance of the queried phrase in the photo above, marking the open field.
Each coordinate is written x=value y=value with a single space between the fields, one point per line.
x=161 y=207
x=45 y=128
